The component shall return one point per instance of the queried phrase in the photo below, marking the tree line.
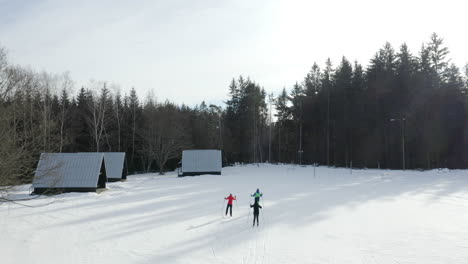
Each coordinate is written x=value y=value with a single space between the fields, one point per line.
x=401 y=111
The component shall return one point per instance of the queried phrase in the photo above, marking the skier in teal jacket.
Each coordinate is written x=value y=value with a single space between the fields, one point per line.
x=257 y=195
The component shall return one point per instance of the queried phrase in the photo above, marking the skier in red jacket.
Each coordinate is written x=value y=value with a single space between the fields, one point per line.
x=230 y=198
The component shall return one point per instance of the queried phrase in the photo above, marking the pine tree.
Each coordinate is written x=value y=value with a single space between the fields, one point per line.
x=359 y=126
x=327 y=86
x=232 y=123
x=134 y=111
x=312 y=82
x=466 y=76
x=296 y=98
x=64 y=117
x=345 y=98
x=283 y=113
x=406 y=66
x=454 y=79
x=281 y=105
x=437 y=55
x=118 y=112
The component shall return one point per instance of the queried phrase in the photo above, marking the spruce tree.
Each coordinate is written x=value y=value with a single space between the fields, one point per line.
x=343 y=117
x=312 y=82
x=327 y=86
x=437 y=55
x=466 y=76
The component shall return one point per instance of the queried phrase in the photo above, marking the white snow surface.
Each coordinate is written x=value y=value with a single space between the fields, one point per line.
x=367 y=216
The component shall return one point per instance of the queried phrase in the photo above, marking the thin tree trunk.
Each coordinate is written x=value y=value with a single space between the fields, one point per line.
x=62 y=121
x=279 y=142
x=133 y=133
x=118 y=128
x=328 y=126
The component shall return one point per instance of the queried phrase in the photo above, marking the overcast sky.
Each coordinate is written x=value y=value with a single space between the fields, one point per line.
x=188 y=51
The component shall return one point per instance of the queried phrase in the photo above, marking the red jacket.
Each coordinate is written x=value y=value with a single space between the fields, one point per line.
x=230 y=198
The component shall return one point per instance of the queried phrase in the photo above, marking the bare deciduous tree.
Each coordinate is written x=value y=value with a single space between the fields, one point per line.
x=47 y=86
x=97 y=119
x=164 y=135
x=66 y=85
x=16 y=147
x=10 y=153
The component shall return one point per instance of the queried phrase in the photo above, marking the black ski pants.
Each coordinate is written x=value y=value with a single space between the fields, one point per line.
x=255 y=216
x=229 y=206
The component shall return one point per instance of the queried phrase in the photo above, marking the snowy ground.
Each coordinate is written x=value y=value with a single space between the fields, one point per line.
x=369 y=216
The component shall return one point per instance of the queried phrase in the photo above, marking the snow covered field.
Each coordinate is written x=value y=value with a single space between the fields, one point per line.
x=369 y=216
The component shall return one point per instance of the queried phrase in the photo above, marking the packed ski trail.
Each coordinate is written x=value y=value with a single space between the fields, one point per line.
x=338 y=216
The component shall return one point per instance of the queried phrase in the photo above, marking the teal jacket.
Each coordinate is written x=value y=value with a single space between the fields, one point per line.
x=257 y=195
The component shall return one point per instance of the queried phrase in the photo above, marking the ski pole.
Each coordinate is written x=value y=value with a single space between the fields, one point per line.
x=263 y=206
x=237 y=205
x=222 y=209
x=248 y=217
x=263 y=216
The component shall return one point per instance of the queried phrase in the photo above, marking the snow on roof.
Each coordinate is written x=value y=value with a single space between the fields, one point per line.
x=201 y=160
x=68 y=170
x=114 y=164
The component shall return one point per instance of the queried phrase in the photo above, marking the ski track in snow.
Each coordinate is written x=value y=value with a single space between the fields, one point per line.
x=367 y=217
